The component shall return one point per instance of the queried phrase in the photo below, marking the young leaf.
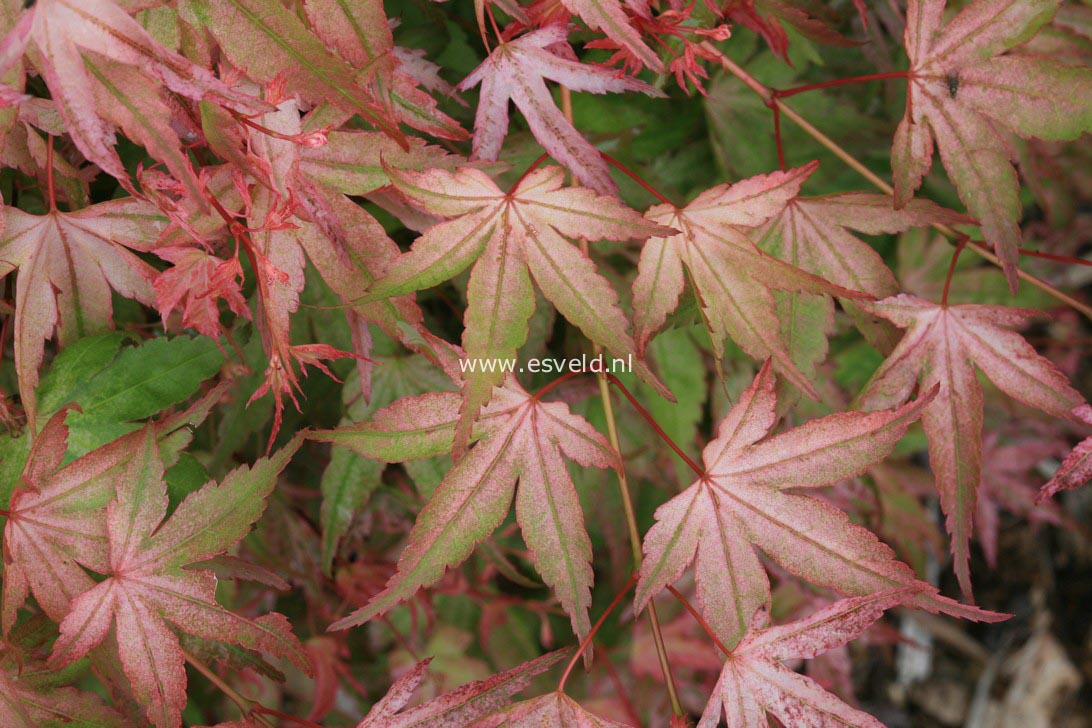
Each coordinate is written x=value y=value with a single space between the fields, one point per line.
x=517 y=70
x=733 y=278
x=745 y=500
x=463 y=706
x=964 y=94
x=510 y=239
x=1076 y=469
x=940 y=349
x=195 y=283
x=608 y=16
x=293 y=219
x=521 y=439
x=147 y=584
x=754 y=682
x=68 y=263
x=269 y=41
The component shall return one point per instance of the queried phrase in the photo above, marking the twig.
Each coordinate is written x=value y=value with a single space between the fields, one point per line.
x=245 y=706
x=595 y=628
x=770 y=98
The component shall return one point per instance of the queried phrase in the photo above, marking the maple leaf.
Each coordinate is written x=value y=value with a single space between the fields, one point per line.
x=520 y=439
x=292 y=218
x=517 y=70
x=941 y=348
x=463 y=706
x=754 y=682
x=68 y=263
x=733 y=278
x=55 y=522
x=552 y=710
x=815 y=234
x=1076 y=469
x=195 y=283
x=28 y=701
x=63 y=31
x=511 y=238
x=361 y=34
x=268 y=41
x=153 y=120
x=966 y=96
x=147 y=584
x=744 y=500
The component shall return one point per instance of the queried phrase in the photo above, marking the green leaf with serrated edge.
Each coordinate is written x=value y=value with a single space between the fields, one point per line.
x=674 y=352
x=184 y=477
x=138 y=383
x=148 y=378
x=74 y=367
x=347 y=484
x=13 y=457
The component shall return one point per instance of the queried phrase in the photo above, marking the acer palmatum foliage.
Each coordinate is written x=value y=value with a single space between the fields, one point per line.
x=204 y=200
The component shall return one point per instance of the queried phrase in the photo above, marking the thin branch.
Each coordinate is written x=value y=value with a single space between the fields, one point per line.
x=777 y=136
x=951 y=271
x=635 y=544
x=700 y=619
x=534 y=165
x=838 y=82
x=769 y=97
x=49 y=174
x=245 y=706
x=656 y=426
x=1055 y=257
x=595 y=628
x=635 y=177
